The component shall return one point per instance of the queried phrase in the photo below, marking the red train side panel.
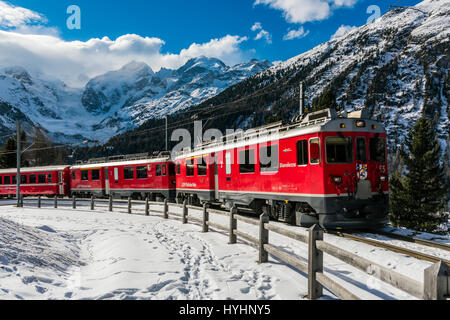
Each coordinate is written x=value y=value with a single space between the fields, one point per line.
x=49 y=181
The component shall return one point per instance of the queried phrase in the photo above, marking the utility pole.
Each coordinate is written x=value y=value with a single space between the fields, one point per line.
x=167 y=142
x=18 y=165
x=302 y=99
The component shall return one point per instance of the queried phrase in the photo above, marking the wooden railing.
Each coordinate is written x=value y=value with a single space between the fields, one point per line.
x=436 y=284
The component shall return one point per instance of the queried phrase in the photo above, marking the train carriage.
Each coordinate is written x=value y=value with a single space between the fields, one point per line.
x=326 y=169
x=47 y=181
x=196 y=176
x=137 y=176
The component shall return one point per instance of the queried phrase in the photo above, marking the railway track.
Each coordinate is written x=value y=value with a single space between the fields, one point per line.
x=394 y=248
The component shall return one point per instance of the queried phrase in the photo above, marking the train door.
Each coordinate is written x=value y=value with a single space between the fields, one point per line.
x=216 y=177
x=364 y=188
x=106 y=181
x=61 y=183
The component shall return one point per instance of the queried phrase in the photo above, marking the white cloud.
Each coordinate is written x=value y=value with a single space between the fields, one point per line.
x=301 y=11
x=76 y=61
x=262 y=34
x=342 y=30
x=12 y=16
x=296 y=34
x=257 y=26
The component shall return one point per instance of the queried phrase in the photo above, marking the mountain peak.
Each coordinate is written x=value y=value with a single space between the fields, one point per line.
x=136 y=66
x=203 y=62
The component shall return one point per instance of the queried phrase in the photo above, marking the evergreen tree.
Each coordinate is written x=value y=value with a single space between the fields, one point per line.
x=327 y=100
x=8 y=153
x=418 y=201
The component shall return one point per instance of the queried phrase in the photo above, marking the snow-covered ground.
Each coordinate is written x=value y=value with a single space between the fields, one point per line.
x=79 y=254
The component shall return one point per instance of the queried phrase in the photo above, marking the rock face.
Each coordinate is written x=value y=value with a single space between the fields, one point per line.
x=116 y=101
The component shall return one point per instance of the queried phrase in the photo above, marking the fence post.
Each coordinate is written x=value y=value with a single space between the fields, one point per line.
x=56 y=202
x=315 y=263
x=233 y=225
x=263 y=238
x=185 y=211
x=205 y=227
x=436 y=282
x=166 y=209
x=39 y=201
x=110 y=203
x=74 y=202
x=147 y=213
x=129 y=205
x=92 y=203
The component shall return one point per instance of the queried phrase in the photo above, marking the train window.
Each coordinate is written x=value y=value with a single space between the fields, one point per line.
x=32 y=178
x=361 y=151
x=7 y=180
x=50 y=180
x=201 y=166
x=339 y=149
x=189 y=167
x=73 y=175
x=95 y=174
x=84 y=175
x=23 y=179
x=314 y=150
x=178 y=168
x=247 y=161
x=158 y=171
x=228 y=163
x=164 y=170
x=302 y=152
x=141 y=172
x=116 y=174
x=14 y=181
x=41 y=178
x=269 y=158
x=1 y=180
x=171 y=169
x=378 y=149
x=128 y=173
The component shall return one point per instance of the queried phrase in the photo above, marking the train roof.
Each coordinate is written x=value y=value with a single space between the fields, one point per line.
x=321 y=121
x=35 y=169
x=133 y=159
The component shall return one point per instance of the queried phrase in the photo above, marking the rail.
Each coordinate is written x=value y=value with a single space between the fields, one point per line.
x=436 y=277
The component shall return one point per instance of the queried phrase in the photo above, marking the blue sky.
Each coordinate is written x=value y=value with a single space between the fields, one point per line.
x=178 y=24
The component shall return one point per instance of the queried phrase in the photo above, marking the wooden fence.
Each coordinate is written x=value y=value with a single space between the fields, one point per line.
x=436 y=285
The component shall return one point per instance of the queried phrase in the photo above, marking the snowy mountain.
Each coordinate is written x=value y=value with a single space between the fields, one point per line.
x=134 y=94
x=114 y=102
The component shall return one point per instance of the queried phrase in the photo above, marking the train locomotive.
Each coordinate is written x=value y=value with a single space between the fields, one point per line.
x=328 y=168
x=325 y=169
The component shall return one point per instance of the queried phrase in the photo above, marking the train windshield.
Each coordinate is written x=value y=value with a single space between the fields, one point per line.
x=339 y=149
x=378 y=149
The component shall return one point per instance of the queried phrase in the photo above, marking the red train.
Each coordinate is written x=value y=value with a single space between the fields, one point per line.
x=326 y=169
x=47 y=181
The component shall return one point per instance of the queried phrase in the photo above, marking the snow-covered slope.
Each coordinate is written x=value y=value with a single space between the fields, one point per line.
x=135 y=93
x=114 y=102
x=396 y=66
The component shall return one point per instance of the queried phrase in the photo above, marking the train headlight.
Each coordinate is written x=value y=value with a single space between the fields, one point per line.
x=336 y=180
x=361 y=124
x=383 y=178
